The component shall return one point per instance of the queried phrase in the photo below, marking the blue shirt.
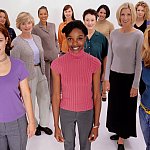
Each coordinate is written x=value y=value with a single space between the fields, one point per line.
x=35 y=50
x=97 y=45
x=145 y=97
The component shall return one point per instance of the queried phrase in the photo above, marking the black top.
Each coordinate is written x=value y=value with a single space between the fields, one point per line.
x=142 y=27
x=12 y=35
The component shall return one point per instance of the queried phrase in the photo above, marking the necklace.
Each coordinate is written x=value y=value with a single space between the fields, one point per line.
x=2 y=60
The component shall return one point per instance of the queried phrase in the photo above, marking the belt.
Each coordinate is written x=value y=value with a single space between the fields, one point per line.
x=37 y=64
x=145 y=109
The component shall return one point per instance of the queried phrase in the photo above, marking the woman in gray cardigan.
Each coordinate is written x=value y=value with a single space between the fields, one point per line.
x=28 y=48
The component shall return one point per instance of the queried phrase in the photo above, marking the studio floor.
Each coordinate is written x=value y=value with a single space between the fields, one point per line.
x=46 y=142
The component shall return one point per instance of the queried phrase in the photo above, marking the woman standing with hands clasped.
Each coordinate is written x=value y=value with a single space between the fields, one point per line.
x=79 y=80
x=28 y=47
x=15 y=99
x=123 y=70
x=96 y=43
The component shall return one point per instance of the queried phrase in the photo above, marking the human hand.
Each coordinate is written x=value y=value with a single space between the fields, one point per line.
x=58 y=135
x=133 y=92
x=106 y=86
x=93 y=134
x=31 y=129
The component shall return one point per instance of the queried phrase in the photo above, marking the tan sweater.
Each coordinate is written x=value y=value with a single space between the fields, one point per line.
x=105 y=27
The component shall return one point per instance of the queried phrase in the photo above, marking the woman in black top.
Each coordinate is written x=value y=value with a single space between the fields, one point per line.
x=142 y=12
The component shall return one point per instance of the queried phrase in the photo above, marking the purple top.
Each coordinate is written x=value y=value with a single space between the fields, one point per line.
x=11 y=104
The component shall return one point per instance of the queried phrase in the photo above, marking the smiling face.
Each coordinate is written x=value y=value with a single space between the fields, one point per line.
x=43 y=15
x=68 y=13
x=90 y=21
x=2 y=18
x=126 y=17
x=140 y=12
x=102 y=14
x=26 y=27
x=76 y=40
x=3 y=42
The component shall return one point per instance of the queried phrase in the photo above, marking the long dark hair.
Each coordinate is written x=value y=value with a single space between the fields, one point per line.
x=7 y=23
x=4 y=31
x=66 y=7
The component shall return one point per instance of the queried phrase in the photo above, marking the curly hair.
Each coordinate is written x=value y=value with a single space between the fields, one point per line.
x=146 y=9
x=146 y=48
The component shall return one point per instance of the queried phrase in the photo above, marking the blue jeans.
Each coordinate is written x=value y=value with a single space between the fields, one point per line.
x=145 y=126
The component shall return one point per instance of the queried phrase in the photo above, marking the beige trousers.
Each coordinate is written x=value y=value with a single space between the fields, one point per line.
x=40 y=91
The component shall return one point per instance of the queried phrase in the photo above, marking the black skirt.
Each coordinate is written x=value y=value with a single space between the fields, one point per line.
x=121 y=112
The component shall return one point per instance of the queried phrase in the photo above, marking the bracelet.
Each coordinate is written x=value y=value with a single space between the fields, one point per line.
x=95 y=127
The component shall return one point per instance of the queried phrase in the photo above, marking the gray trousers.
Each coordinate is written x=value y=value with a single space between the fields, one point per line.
x=48 y=76
x=14 y=134
x=39 y=90
x=84 y=120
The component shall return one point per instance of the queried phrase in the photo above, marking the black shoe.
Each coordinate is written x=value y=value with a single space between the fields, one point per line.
x=38 y=131
x=47 y=130
x=114 y=137
x=121 y=147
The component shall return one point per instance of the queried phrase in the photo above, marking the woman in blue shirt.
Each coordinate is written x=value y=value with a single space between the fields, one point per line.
x=96 y=43
x=144 y=109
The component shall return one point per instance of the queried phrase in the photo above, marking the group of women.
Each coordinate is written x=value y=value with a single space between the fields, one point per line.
x=76 y=87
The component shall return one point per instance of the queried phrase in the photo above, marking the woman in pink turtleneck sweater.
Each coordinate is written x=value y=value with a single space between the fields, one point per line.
x=78 y=79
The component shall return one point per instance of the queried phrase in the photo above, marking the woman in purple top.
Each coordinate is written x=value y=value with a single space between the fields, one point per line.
x=15 y=99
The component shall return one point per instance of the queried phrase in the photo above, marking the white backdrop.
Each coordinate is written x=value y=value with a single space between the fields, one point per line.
x=14 y=7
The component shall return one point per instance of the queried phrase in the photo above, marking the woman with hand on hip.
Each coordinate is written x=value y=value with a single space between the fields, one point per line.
x=46 y=31
x=15 y=99
x=123 y=70
x=67 y=16
x=79 y=80
x=28 y=47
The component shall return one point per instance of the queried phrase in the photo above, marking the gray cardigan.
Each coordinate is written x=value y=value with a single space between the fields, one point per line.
x=23 y=51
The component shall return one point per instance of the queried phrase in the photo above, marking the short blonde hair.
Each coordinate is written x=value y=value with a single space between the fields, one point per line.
x=146 y=48
x=22 y=18
x=146 y=9
x=126 y=6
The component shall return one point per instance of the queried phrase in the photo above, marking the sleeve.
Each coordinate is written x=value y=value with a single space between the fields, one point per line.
x=111 y=27
x=23 y=73
x=33 y=31
x=56 y=40
x=96 y=64
x=104 y=47
x=60 y=36
x=15 y=52
x=13 y=35
x=109 y=59
x=138 y=61
x=55 y=66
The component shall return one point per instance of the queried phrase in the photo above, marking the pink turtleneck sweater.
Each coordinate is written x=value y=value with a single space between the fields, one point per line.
x=76 y=71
